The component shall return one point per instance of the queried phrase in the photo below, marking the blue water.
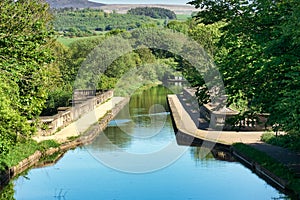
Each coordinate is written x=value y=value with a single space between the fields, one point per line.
x=173 y=2
x=85 y=173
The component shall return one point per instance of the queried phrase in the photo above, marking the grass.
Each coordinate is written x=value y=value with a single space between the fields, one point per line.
x=290 y=141
x=71 y=138
x=68 y=40
x=19 y=152
x=270 y=164
x=51 y=158
x=24 y=150
x=183 y=17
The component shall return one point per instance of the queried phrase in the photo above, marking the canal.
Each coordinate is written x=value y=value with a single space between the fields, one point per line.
x=137 y=157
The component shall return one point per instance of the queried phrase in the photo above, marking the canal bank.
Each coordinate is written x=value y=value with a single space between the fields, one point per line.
x=76 y=134
x=142 y=127
x=185 y=117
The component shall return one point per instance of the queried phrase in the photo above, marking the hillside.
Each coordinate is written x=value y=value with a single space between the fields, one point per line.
x=119 y=8
x=73 y=4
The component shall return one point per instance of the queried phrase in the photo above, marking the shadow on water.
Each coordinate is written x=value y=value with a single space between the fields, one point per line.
x=203 y=151
x=124 y=132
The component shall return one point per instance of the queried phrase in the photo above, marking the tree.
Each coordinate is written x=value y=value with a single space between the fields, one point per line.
x=25 y=40
x=260 y=64
x=157 y=13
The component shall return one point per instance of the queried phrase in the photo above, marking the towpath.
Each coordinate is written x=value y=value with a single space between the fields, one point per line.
x=186 y=117
x=81 y=125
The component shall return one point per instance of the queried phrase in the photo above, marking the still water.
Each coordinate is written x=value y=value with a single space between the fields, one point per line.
x=140 y=167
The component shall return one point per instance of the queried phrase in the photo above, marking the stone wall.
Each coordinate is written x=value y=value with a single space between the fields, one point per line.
x=83 y=102
x=217 y=118
x=89 y=136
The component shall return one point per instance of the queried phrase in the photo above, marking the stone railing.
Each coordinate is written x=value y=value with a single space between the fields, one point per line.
x=217 y=118
x=83 y=102
x=34 y=160
x=223 y=117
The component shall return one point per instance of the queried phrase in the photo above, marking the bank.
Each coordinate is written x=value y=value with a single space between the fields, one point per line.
x=185 y=118
x=49 y=148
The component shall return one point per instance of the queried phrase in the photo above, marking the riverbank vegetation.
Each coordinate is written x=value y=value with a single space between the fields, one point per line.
x=254 y=45
x=270 y=164
x=23 y=150
x=257 y=55
x=25 y=63
x=257 y=77
x=290 y=141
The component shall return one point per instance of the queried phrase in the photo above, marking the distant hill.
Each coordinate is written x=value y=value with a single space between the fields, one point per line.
x=73 y=4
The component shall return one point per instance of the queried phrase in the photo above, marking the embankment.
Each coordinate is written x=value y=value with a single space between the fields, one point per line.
x=188 y=134
x=90 y=134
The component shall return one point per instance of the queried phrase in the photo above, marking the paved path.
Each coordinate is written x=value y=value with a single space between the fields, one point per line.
x=186 y=116
x=81 y=125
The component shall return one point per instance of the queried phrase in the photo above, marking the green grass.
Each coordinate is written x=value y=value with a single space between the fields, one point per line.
x=24 y=150
x=18 y=153
x=47 y=144
x=68 y=40
x=51 y=158
x=183 y=17
x=290 y=141
x=270 y=164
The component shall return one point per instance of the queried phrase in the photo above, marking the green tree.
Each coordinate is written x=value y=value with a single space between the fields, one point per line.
x=157 y=13
x=25 y=38
x=260 y=63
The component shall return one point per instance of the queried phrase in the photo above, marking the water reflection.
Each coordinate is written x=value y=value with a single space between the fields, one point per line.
x=141 y=102
x=141 y=121
x=192 y=176
x=200 y=154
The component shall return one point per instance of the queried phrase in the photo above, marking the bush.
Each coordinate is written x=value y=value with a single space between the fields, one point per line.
x=290 y=141
x=56 y=99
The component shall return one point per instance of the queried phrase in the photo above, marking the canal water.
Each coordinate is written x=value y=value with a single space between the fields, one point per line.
x=137 y=157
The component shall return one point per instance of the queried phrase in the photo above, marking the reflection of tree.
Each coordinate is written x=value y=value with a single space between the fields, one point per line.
x=111 y=139
x=132 y=115
x=147 y=98
x=8 y=192
x=202 y=153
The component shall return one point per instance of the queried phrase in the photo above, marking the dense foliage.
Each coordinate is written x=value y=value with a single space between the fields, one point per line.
x=25 y=38
x=157 y=13
x=84 y=22
x=290 y=141
x=259 y=56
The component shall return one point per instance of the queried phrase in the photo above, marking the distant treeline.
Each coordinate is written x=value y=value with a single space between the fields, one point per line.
x=157 y=13
x=86 y=22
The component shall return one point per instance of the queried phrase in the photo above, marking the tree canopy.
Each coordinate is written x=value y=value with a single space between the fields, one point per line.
x=85 y=22
x=157 y=13
x=25 y=38
x=259 y=55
